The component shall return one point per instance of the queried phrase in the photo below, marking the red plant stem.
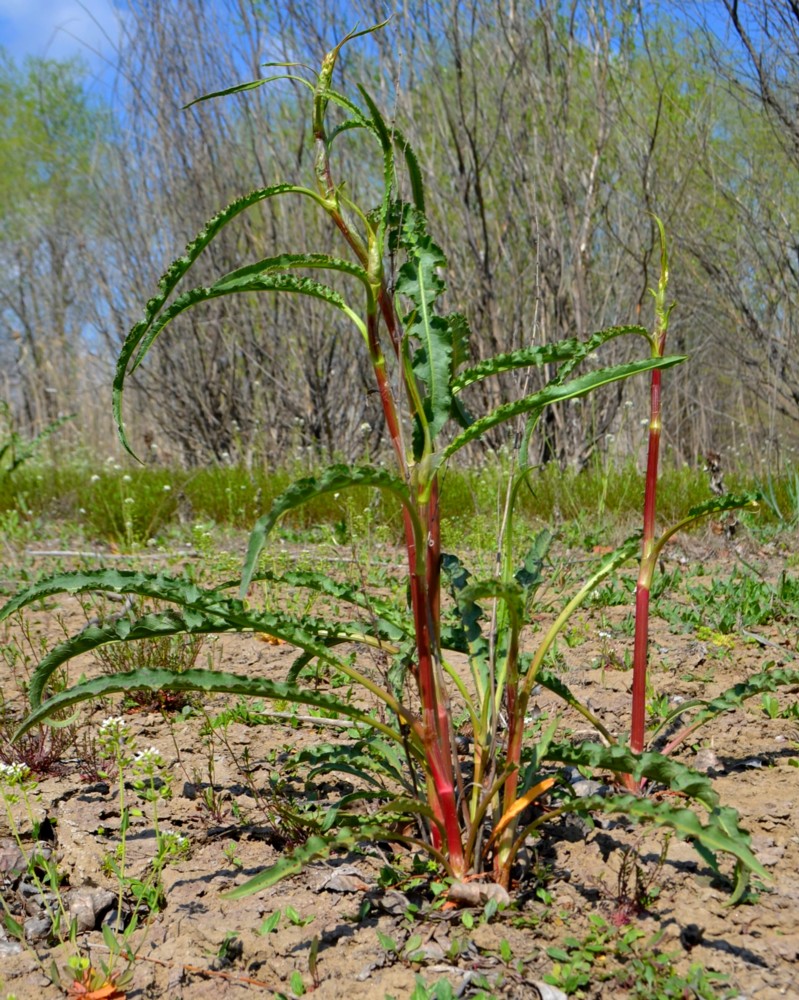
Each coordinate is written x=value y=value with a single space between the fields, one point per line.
x=425 y=604
x=425 y=591
x=641 y=643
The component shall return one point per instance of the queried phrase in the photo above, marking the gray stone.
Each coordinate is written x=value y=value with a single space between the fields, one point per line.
x=87 y=906
x=37 y=928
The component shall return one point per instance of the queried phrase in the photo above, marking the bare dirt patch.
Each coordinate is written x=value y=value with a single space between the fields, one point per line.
x=374 y=940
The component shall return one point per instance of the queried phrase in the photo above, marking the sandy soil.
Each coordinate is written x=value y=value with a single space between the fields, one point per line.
x=338 y=907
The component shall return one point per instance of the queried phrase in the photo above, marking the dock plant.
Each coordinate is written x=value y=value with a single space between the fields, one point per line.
x=470 y=811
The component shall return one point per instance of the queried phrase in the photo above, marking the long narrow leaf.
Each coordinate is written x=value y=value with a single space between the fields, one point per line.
x=333 y=480
x=250 y=85
x=315 y=848
x=595 y=341
x=525 y=358
x=268 y=282
x=210 y=681
x=720 y=833
x=553 y=393
x=179 y=267
x=621 y=760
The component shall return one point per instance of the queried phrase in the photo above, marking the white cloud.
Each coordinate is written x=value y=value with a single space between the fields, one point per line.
x=59 y=29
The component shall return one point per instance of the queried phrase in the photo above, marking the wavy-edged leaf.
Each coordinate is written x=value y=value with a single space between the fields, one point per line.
x=284 y=261
x=553 y=393
x=418 y=281
x=596 y=340
x=210 y=681
x=381 y=130
x=527 y=357
x=321 y=583
x=720 y=834
x=201 y=611
x=621 y=760
x=176 y=270
x=530 y=576
x=510 y=593
x=715 y=505
x=332 y=480
x=414 y=171
x=457 y=577
x=765 y=682
x=259 y=282
x=158 y=586
x=363 y=759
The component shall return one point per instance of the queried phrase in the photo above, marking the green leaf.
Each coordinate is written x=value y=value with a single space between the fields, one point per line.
x=418 y=281
x=386 y=943
x=414 y=171
x=530 y=576
x=386 y=611
x=553 y=393
x=285 y=261
x=292 y=862
x=257 y=282
x=213 y=681
x=721 y=832
x=332 y=480
x=621 y=760
x=381 y=130
x=597 y=340
x=524 y=358
x=764 y=682
x=270 y=924
x=250 y=85
x=178 y=269
x=457 y=577
x=715 y=505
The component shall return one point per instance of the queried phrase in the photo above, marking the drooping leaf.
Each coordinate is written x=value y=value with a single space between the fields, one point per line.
x=720 y=833
x=715 y=505
x=210 y=681
x=258 y=282
x=764 y=682
x=178 y=268
x=654 y=766
x=332 y=480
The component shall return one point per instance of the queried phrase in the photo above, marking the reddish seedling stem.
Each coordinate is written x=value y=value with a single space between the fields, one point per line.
x=642 y=591
x=641 y=644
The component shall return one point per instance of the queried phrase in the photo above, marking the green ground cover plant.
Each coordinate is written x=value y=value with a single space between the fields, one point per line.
x=88 y=497
x=471 y=813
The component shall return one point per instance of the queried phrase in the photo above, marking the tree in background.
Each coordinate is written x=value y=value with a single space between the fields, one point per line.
x=556 y=131
x=51 y=136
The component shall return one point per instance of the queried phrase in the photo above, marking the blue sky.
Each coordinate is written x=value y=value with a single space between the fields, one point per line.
x=59 y=29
